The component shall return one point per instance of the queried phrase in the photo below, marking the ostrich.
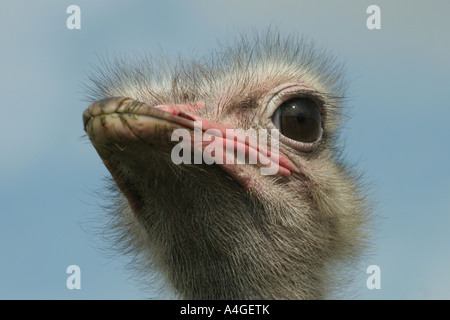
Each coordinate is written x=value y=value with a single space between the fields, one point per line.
x=224 y=230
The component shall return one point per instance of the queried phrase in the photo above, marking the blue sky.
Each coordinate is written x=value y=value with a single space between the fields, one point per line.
x=397 y=134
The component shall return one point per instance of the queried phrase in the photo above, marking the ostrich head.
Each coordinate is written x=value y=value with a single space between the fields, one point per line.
x=224 y=230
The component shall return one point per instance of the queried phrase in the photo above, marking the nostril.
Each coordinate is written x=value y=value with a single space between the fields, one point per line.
x=186 y=116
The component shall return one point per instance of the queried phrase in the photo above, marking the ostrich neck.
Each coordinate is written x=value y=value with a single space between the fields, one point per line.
x=227 y=245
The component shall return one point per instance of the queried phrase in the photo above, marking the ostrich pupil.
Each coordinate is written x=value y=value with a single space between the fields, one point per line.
x=298 y=119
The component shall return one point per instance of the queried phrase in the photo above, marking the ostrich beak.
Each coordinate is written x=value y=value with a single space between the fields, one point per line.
x=116 y=124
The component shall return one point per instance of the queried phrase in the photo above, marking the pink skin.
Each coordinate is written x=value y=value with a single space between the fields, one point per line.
x=243 y=143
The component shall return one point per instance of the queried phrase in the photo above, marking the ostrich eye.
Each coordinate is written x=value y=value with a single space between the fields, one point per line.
x=298 y=119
